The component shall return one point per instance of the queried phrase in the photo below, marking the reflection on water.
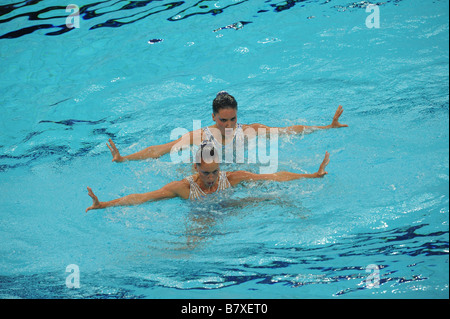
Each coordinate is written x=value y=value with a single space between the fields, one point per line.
x=125 y=12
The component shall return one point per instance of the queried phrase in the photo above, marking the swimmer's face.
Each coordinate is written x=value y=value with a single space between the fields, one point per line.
x=226 y=119
x=208 y=173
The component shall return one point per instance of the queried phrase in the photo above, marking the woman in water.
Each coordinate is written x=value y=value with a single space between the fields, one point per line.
x=208 y=179
x=224 y=132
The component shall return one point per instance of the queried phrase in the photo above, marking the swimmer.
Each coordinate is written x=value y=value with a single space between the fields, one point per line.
x=225 y=116
x=208 y=180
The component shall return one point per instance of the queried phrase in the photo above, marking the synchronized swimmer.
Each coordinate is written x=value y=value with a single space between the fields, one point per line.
x=224 y=114
x=209 y=178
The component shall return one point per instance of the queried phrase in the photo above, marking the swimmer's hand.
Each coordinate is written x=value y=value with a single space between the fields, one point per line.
x=321 y=172
x=114 y=152
x=95 y=202
x=335 y=123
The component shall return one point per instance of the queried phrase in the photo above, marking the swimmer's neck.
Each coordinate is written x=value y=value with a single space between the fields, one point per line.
x=222 y=134
x=205 y=188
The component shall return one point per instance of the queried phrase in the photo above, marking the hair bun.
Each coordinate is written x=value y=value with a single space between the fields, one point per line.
x=222 y=93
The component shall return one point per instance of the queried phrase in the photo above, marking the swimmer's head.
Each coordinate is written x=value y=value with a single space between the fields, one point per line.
x=207 y=153
x=224 y=100
x=224 y=112
x=207 y=164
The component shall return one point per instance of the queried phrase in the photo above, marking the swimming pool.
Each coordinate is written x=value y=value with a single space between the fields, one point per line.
x=135 y=70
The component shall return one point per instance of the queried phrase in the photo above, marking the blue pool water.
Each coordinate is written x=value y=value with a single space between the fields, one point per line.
x=135 y=70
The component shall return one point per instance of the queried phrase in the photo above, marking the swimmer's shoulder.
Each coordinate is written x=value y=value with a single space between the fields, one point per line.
x=235 y=177
x=181 y=188
x=254 y=126
x=197 y=136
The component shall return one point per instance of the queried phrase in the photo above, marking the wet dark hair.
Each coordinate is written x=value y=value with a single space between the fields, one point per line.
x=206 y=153
x=224 y=100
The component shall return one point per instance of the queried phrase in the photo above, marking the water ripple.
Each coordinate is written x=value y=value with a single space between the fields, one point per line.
x=128 y=12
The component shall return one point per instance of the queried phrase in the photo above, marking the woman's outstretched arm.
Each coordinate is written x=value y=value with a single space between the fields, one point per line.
x=241 y=176
x=171 y=190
